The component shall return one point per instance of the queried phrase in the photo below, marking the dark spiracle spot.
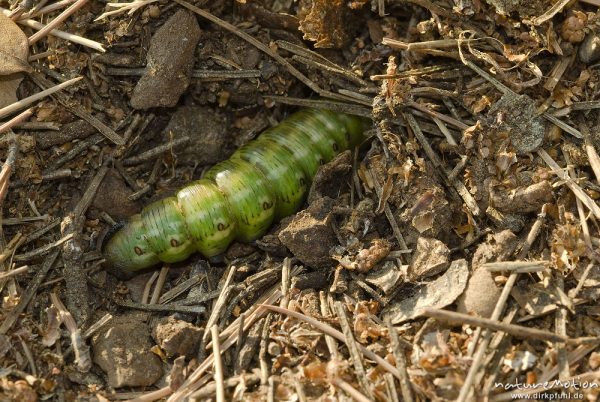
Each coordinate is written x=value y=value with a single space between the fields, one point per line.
x=174 y=243
x=221 y=226
x=138 y=250
x=266 y=205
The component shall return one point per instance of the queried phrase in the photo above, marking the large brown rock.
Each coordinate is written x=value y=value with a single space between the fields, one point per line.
x=169 y=63
x=122 y=351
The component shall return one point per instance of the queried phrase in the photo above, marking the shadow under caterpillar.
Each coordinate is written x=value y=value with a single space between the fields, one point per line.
x=237 y=199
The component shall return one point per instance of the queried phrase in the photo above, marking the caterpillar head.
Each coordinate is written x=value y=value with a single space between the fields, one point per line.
x=125 y=249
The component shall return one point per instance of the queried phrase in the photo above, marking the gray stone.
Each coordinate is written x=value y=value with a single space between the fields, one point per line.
x=589 y=50
x=517 y=115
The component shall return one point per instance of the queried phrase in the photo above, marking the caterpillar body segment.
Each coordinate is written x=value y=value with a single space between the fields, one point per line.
x=238 y=199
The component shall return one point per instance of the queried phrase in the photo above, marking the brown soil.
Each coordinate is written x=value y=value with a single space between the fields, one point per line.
x=454 y=250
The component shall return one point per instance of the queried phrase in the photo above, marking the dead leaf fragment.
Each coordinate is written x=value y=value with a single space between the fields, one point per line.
x=14 y=51
x=436 y=294
x=324 y=22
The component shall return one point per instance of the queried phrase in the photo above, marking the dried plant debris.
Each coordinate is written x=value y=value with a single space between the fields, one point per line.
x=325 y=22
x=520 y=7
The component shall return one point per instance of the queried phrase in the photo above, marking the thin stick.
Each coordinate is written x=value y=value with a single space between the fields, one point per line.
x=441 y=116
x=160 y=282
x=551 y=12
x=350 y=390
x=514 y=330
x=398 y=353
x=78 y=110
x=60 y=34
x=23 y=103
x=221 y=300
x=430 y=44
x=357 y=361
x=153 y=396
x=56 y=21
x=190 y=383
x=218 y=364
x=329 y=340
x=11 y=318
x=156 y=151
x=326 y=329
x=578 y=191
x=148 y=287
x=516 y=266
x=14 y=272
x=13 y=150
x=82 y=351
x=15 y=120
x=339 y=107
x=48 y=9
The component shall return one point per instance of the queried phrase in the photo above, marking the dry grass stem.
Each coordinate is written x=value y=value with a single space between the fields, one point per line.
x=129 y=8
x=23 y=103
x=60 y=34
x=56 y=21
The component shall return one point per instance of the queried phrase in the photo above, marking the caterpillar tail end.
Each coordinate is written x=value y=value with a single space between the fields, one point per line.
x=125 y=251
x=356 y=127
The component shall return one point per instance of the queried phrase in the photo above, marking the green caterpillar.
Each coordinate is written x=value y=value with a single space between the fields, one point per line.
x=237 y=199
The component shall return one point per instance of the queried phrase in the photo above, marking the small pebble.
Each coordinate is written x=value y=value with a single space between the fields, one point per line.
x=589 y=51
x=480 y=296
x=177 y=337
x=430 y=258
x=309 y=235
